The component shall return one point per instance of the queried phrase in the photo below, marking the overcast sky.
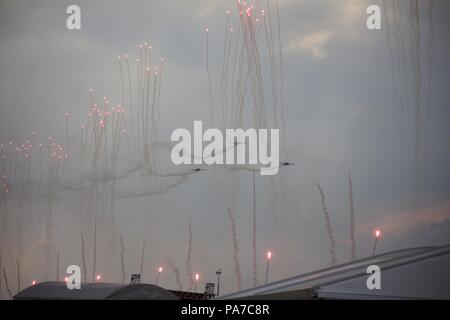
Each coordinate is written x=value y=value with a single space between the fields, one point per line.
x=341 y=115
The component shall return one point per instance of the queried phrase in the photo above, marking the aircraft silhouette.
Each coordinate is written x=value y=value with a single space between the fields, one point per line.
x=284 y=164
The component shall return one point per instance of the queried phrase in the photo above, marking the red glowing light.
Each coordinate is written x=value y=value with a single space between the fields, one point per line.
x=66 y=279
x=377 y=233
x=33 y=282
x=98 y=277
x=197 y=276
x=160 y=269
x=269 y=255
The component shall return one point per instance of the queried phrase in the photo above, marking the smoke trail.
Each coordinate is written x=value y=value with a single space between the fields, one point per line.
x=352 y=217
x=222 y=80
x=391 y=56
x=328 y=225
x=176 y=272
x=418 y=105
x=189 y=256
x=122 y=258
x=211 y=105
x=146 y=193
x=83 y=258
x=18 y=274
x=94 y=265
x=5 y=277
x=57 y=265
x=283 y=124
x=430 y=66
x=141 y=268
x=1 y=266
x=255 y=264
x=121 y=80
x=237 y=265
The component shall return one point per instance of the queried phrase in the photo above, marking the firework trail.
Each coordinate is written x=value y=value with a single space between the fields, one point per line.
x=418 y=106
x=176 y=273
x=83 y=258
x=18 y=274
x=1 y=266
x=94 y=264
x=5 y=277
x=122 y=258
x=328 y=225
x=67 y=141
x=227 y=63
x=141 y=266
x=146 y=193
x=130 y=90
x=255 y=263
x=224 y=71
x=269 y=39
x=352 y=217
x=280 y=57
x=237 y=265
x=189 y=257
x=410 y=87
x=121 y=79
x=211 y=104
x=57 y=265
x=391 y=54
x=429 y=73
